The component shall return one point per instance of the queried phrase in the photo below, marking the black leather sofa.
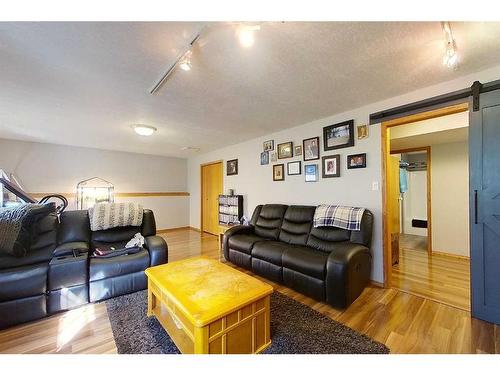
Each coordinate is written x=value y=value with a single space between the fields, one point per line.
x=328 y=264
x=58 y=273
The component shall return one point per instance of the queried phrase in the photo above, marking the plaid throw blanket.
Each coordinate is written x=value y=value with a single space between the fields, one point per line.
x=338 y=216
x=111 y=215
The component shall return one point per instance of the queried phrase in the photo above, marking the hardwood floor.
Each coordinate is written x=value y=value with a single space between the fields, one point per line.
x=404 y=322
x=438 y=277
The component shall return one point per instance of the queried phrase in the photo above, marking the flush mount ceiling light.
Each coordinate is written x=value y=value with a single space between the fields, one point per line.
x=190 y=148
x=246 y=35
x=144 y=130
x=450 y=58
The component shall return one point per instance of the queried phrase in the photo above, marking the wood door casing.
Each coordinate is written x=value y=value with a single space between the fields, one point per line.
x=211 y=187
x=386 y=150
x=393 y=207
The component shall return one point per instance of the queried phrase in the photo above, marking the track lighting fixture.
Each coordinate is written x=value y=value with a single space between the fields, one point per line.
x=245 y=33
x=185 y=62
x=450 y=58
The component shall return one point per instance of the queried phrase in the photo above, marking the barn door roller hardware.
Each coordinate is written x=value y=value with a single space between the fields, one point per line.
x=476 y=91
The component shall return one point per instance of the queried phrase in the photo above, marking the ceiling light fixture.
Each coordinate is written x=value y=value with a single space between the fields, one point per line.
x=185 y=62
x=246 y=34
x=144 y=130
x=450 y=58
x=190 y=148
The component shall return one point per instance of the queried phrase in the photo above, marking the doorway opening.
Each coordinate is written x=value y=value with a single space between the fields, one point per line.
x=211 y=177
x=426 y=205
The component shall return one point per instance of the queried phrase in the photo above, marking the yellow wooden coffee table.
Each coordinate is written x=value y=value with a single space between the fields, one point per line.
x=209 y=307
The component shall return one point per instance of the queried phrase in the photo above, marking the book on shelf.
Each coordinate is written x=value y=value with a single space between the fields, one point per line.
x=230 y=209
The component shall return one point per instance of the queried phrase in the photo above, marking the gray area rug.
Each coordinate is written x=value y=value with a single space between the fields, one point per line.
x=295 y=329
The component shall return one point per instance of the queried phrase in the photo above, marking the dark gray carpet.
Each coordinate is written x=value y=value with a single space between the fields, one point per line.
x=295 y=329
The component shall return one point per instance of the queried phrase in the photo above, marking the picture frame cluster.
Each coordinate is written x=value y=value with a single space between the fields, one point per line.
x=337 y=136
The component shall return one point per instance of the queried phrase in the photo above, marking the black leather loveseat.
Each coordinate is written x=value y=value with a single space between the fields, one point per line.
x=327 y=263
x=58 y=273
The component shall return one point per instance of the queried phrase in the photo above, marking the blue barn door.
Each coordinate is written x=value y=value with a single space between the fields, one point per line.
x=484 y=154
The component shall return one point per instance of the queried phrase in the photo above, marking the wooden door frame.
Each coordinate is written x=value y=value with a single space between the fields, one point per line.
x=386 y=147
x=201 y=186
x=427 y=149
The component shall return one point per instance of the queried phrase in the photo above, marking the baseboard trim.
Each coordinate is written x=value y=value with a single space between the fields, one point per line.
x=376 y=284
x=443 y=254
x=159 y=231
x=171 y=229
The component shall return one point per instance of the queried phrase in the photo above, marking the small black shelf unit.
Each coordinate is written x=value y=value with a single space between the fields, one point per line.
x=230 y=209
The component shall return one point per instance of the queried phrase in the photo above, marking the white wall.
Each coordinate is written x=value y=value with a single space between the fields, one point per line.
x=354 y=187
x=415 y=202
x=47 y=168
x=450 y=198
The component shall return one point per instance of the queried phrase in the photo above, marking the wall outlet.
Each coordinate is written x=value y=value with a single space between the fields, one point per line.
x=375 y=186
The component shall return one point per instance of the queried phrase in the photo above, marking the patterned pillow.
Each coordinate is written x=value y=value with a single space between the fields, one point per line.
x=17 y=226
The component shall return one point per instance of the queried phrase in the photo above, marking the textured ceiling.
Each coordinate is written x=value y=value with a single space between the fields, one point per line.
x=86 y=83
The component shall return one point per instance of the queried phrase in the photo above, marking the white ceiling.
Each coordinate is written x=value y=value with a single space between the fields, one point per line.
x=85 y=83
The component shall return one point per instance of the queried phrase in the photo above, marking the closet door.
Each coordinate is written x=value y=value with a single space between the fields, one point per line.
x=484 y=139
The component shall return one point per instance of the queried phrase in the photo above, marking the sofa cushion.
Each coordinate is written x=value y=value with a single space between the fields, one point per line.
x=268 y=223
x=326 y=238
x=270 y=251
x=244 y=242
x=103 y=268
x=114 y=236
x=23 y=282
x=74 y=227
x=42 y=255
x=306 y=261
x=297 y=224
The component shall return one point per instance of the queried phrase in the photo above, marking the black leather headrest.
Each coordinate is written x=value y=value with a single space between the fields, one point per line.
x=273 y=211
x=300 y=214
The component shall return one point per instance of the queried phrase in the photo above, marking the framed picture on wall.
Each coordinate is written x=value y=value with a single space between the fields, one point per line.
x=264 y=158
x=310 y=148
x=338 y=136
x=232 y=167
x=331 y=166
x=269 y=145
x=294 y=168
x=362 y=131
x=356 y=161
x=311 y=172
x=279 y=172
x=297 y=150
x=273 y=156
x=285 y=150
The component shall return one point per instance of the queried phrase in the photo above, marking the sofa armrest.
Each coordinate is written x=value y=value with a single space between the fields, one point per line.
x=158 y=249
x=237 y=229
x=348 y=271
x=68 y=247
